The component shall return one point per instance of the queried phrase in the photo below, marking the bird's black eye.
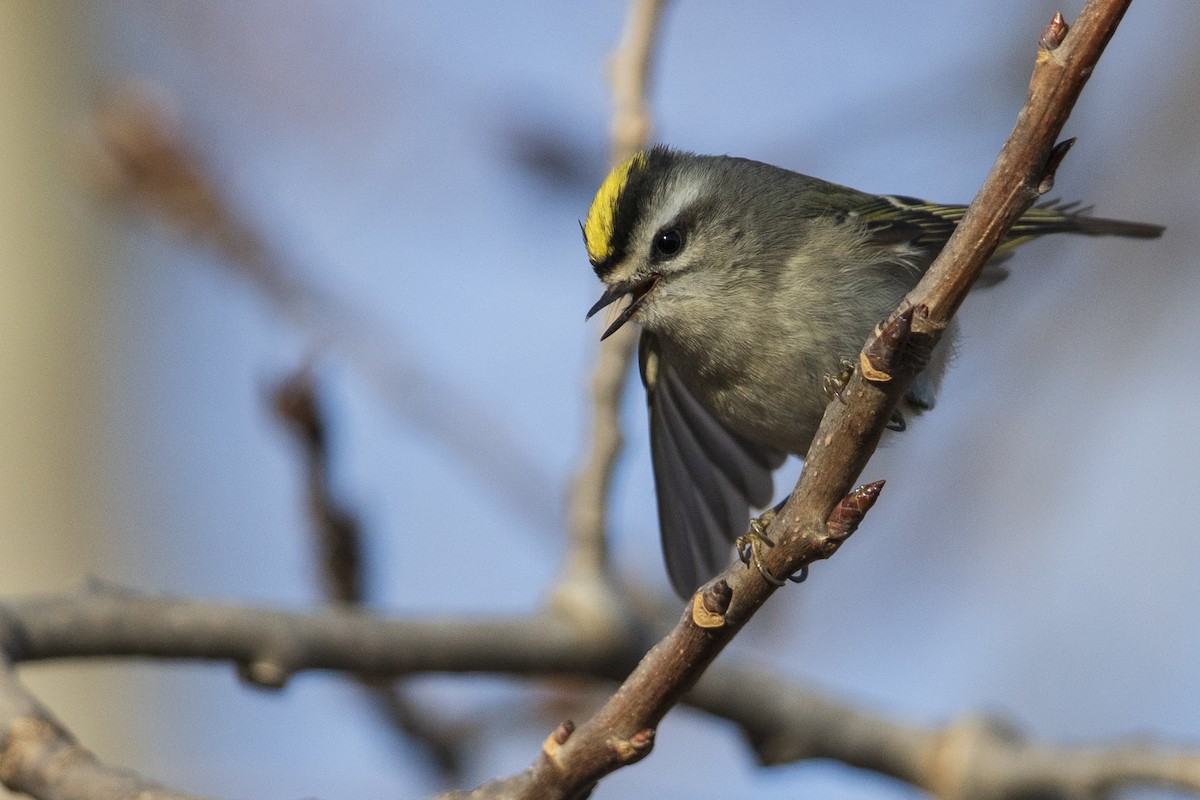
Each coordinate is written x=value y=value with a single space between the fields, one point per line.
x=668 y=243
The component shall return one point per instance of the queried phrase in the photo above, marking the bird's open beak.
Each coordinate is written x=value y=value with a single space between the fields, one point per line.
x=637 y=293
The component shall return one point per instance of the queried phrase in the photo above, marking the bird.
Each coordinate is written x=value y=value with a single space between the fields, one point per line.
x=752 y=285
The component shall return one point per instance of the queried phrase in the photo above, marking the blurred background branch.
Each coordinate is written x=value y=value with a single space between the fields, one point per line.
x=392 y=184
x=780 y=719
x=341 y=564
x=41 y=759
x=138 y=155
x=585 y=571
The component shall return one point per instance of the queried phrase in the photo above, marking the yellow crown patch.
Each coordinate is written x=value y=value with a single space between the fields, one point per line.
x=598 y=228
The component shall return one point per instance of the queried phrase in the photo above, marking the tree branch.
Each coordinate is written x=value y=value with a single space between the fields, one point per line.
x=973 y=758
x=1023 y=171
x=341 y=562
x=970 y=759
x=819 y=515
x=783 y=722
x=582 y=584
x=270 y=646
x=336 y=531
x=39 y=757
x=141 y=158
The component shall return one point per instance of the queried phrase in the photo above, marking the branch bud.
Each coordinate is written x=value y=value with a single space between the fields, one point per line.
x=1054 y=34
x=1057 y=154
x=880 y=358
x=557 y=738
x=849 y=512
x=636 y=747
x=709 y=606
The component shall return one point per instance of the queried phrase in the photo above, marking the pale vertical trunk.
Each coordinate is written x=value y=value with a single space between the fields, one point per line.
x=55 y=263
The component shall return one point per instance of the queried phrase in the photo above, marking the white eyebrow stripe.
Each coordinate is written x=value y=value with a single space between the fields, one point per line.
x=683 y=191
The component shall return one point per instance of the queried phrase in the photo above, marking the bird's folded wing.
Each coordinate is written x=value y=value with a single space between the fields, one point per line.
x=706 y=477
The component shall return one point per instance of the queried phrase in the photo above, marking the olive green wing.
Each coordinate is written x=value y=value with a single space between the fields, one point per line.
x=896 y=219
x=897 y=222
x=706 y=478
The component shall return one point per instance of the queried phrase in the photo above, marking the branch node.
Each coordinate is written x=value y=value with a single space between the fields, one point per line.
x=882 y=355
x=953 y=768
x=850 y=510
x=557 y=738
x=295 y=402
x=28 y=739
x=1057 y=154
x=635 y=748
x=266 y=672
x=709 y=606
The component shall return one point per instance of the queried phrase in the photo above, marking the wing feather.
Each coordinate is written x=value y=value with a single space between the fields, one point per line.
x=706 y=477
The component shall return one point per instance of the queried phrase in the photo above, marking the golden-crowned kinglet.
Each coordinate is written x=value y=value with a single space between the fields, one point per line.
x=752 y=284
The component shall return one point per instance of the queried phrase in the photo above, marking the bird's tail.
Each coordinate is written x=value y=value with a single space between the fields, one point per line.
x=1067 y=218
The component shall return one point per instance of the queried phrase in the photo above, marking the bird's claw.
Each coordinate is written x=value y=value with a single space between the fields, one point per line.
x=836 y=384
x=749 y=549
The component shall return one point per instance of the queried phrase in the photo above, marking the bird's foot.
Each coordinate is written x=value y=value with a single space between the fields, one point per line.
x=836 y=384
x=750 y=544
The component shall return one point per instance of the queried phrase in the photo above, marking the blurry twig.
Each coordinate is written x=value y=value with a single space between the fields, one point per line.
x=587 y=519
x=338 y=534
x=140 y=157
x=40 y=758
x=973 y=758
x=630 y=76
x=342 y=565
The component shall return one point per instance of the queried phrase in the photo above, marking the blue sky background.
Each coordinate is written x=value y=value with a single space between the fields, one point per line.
x=1034 y=554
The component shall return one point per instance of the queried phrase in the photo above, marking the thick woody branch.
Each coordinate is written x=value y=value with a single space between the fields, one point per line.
x=39 y=757
x=782 y=721
x=279 y=644
x=1025 y=168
